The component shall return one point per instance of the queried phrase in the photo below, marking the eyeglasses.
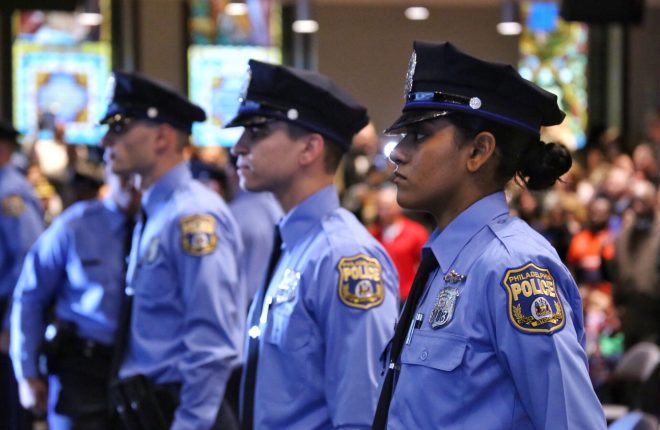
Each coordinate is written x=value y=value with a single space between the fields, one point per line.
x=120 y=124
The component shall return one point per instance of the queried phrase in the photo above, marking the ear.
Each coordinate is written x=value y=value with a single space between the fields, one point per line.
x=313 y=148
x=482 y=148
x=165 y=137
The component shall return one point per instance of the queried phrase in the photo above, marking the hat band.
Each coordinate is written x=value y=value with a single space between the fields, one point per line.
x=438 y=96
x=251 y=107
x=142 y=112
x=472 y=105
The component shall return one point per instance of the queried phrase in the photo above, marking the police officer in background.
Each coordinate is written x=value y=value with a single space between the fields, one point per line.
x=77 y=266
x=492 y=333
x=320 y=322
x=188 y=304
x=21 y=223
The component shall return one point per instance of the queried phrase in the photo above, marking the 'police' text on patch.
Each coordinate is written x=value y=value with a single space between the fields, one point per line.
x=533 y=301
x=360 y=282
x=198 y=236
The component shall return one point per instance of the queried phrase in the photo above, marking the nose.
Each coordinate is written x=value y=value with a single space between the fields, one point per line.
x=240 y=148
x=107 y=141
x=399 y=154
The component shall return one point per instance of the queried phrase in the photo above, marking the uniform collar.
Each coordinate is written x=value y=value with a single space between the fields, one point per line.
x=307 y=214
x=163 y=188
x=446 y=244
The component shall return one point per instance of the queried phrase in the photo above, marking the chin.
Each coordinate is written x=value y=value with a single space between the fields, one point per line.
x=249 y=186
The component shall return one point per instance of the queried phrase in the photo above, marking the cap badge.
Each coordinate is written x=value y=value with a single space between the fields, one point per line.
x=110 y=89
x=475 y=103
x=410 y=74
x=292 y=114
x=152 y=112
x=246 y=84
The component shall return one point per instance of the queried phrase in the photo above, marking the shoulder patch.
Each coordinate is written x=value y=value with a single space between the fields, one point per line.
x=534 y=305
x=13 y=205
x=361 y=282
x=198 y=236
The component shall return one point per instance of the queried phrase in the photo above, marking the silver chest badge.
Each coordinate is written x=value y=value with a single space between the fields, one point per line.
x=152 y=250
x=443 y=310
x=288 y=286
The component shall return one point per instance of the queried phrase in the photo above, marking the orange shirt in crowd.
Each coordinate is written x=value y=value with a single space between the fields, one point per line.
x=587 y=253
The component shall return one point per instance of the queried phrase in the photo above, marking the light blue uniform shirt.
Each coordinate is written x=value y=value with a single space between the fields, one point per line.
x=188 y=309
x=79 y=261
x=21 y=223
x=509 y=352
x=333 y=303
x=256 y=215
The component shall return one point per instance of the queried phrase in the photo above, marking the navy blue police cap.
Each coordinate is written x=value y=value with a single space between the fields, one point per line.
x=305 y=98
x=132 y=95
x=8 y=132
x=441 y=79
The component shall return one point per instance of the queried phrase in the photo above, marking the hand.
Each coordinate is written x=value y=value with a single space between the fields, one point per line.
x=33 y=394
x=4 y=341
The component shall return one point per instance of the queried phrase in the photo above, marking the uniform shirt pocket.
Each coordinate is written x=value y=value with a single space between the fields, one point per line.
x=287 y=329
x=441 y=351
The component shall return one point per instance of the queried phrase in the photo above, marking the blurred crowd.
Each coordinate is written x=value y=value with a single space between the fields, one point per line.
x=602 y=219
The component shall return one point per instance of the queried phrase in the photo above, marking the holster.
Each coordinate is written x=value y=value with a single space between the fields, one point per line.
x=56 y=340
x=140 y=405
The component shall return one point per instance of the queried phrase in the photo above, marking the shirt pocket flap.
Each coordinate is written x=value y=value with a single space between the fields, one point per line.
x=438 y=351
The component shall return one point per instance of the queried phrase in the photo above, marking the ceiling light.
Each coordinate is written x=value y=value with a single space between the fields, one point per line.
x=236 y=8
x=509 y=24
x=305 y=26
x=417 y=13
x=89 y=19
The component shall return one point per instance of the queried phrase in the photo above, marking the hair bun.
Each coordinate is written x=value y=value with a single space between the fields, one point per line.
x=543 y=163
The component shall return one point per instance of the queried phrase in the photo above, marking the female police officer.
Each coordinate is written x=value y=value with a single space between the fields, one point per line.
x=491 y=335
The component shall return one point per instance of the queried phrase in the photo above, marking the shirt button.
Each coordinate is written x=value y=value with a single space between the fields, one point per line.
x=424 y=355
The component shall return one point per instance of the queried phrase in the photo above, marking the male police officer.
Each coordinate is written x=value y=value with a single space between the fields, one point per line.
x=21 y=223
x=495 y=338
x=188 y=305
x=77 y=265
x=321 y=321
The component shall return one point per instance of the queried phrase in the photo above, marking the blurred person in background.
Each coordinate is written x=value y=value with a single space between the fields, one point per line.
x=76 y=271
x=637 y=267
x=592 y=248
x=646 y=165
x=402 y=237
x=590 y=254
x=556 y=226
x=211 y=175
x=614 y=188
x=21 y=223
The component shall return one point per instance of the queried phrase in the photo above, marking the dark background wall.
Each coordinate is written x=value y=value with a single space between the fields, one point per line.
x=366 y=47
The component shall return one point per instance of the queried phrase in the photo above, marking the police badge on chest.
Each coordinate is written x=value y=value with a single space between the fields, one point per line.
x=443 y=311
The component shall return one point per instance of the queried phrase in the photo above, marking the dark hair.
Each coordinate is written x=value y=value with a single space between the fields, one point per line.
x=521 y=154
x=333 y=151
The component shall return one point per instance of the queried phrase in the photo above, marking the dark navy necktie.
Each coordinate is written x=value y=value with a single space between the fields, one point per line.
x=253 y=339
x=427 y=265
